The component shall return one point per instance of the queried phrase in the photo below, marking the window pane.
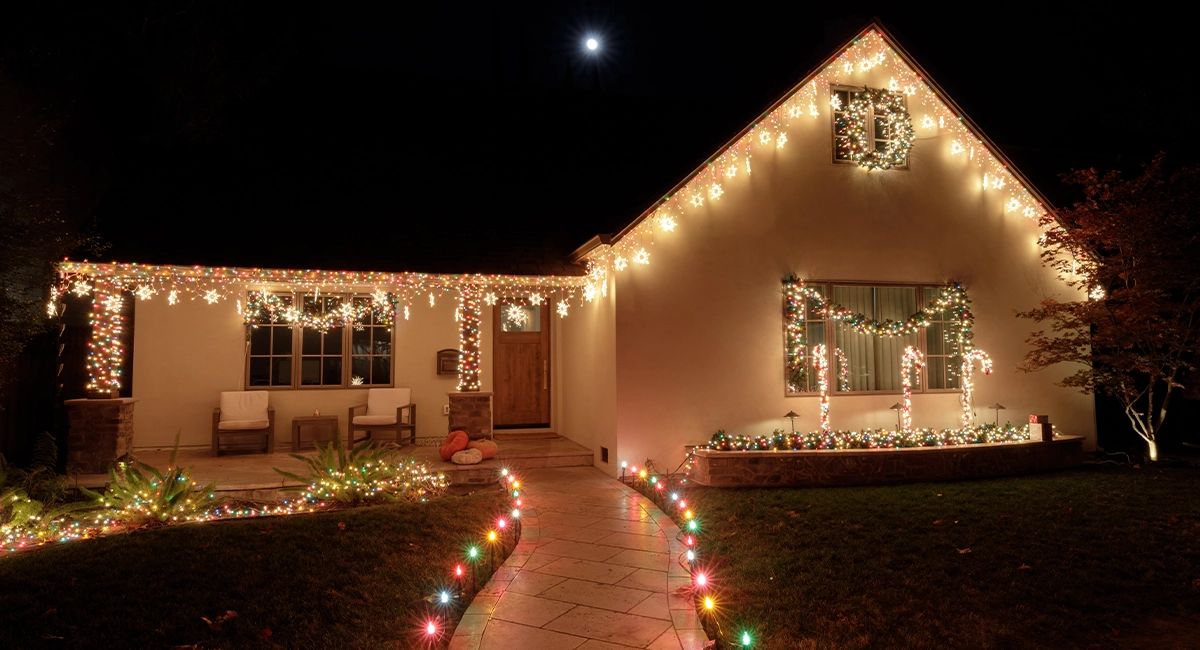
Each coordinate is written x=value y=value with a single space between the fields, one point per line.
x=330 y=303
x=383 y=340
x=841 y=126
x=310 y=371
x=381 y=370
x=859 y=355
x=841 y=148
x=521 y=318
x=333 y=341
x=811 y=307
x=936 y=374
x=843 y=97
x=935 y=342
x=309 y=304
x=954 y=371
x=360 y=341
x=361 y=367
x=260 y=369
x=281 y=371
x=332 y=374
x=281 y=340
x=260 y=340
x=311 y=341
x=881 y=130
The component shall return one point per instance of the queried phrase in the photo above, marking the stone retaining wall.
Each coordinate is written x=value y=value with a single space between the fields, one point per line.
x=100 y=431
x=471 y=412
x=882 y=466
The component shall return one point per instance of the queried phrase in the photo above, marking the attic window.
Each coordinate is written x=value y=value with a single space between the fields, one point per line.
x=840 y=98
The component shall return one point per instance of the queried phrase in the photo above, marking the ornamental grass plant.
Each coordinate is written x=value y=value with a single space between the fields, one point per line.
x=140 y=494
x=367 y=471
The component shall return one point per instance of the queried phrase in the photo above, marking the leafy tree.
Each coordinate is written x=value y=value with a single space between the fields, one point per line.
x=1130 y=249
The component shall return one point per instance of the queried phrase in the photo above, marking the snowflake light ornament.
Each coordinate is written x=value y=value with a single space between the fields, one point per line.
x=641 y=257
x=781 y=140
x=406 y=312
x=380 y=298
x=562 y=308
x=927 y=122
x=536 y=298
x=211 y=296
x=356 y=381
x=490 y=299
x=620 y=263
x=715 y=192
x=764 y=137
x=431 y=299
x=113 y=303
x=172 y=297
x=516 y=315
x=697 y=200
x=81 y=288
x=589 y=292
x=51 y=309
x=667 y=223
x=144 y=292
x=835 y=102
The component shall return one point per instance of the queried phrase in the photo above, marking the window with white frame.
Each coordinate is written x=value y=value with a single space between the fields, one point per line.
x=287 y=354
x=878 y=136
x=861 y=362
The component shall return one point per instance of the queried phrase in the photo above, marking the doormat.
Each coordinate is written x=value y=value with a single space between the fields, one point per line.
x=533 y=435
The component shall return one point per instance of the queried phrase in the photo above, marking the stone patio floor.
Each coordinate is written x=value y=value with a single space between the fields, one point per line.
x=597 y=568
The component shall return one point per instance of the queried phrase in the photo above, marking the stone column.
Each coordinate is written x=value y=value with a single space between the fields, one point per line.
x=100 y=431
x=471 y=412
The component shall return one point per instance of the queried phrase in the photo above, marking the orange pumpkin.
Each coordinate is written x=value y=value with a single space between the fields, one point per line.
x=488 y=448
x=455 y=442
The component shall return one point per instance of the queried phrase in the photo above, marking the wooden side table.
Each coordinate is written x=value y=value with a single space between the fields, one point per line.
x=330 y=421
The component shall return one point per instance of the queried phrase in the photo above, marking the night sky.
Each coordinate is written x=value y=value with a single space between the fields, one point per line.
x=479 y=136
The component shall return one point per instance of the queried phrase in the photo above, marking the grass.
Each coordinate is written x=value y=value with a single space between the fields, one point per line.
x=1079 y=559
x=355 y=578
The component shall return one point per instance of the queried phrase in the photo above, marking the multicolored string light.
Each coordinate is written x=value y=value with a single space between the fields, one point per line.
x=968 y=383
x=911 y=364
x=821 y=360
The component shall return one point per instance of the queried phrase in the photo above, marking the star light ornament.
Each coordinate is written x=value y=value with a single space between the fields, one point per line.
x=212 y=296
x=562 y=308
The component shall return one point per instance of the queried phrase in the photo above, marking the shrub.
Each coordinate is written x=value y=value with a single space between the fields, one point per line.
x=367 y=471
x=138 y=493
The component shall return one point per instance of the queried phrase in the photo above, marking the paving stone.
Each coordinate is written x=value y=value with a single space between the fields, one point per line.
x=560 y=519
x=528 y=610
x=579 y=550
x=636 y=542
x=532 y=583
x=684 y=619
x=646 y=579
x=502 y=635
x=551 y=533
x=641 y=559
x=692 y=639
x=667 y=641
x=594 y=594
x=655 y=606
x=623 y=526
x=606 y=625
x=593 y=644
x=586 y=570
x=538 y=560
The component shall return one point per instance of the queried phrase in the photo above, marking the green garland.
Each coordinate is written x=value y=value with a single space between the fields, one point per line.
x=858 y=122
x=953 y=299
x=870 y=439
x=264 y=308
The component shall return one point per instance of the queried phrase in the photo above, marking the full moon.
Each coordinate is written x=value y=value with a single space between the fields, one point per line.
x=592 y=44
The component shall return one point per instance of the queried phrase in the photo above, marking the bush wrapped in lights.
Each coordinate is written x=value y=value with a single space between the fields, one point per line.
x=870 y=439
x=365 y=472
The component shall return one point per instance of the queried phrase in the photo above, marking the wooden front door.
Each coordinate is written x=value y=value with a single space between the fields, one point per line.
x=521 y=366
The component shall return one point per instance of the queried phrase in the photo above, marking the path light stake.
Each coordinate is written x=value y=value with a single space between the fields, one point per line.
x=997 y=407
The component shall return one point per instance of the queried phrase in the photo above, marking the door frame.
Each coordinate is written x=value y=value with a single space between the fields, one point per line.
x=547 y=342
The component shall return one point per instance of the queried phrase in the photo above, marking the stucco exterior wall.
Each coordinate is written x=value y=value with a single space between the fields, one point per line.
x=699 y=330
x=587 y=370
x=186 y=354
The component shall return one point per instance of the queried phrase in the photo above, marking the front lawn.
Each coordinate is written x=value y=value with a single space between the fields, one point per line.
x=1093 y=558
x=344 y=579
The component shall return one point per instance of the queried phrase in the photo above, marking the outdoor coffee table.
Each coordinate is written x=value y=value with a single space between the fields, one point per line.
x=329 y=421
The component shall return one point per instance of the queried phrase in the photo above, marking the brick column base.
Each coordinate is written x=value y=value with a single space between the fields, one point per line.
x=471 y=412
x=100 y=431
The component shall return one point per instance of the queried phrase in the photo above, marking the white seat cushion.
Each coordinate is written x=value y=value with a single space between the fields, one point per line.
x=244 y=405
x=385 y=401
x=379 y=420
x=242 y=425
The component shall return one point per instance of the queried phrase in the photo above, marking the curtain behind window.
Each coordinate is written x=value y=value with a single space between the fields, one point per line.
x=874 y=360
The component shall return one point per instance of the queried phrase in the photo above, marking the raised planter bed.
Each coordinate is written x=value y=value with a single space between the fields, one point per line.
x=883 y=466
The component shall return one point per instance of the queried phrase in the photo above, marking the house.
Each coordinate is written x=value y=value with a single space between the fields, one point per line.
x=864 y=186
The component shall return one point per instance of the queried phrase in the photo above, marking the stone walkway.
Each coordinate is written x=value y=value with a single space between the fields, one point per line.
x=596 y=569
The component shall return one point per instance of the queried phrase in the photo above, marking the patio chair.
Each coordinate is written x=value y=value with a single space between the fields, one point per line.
x=388 y=409
x=243 y=413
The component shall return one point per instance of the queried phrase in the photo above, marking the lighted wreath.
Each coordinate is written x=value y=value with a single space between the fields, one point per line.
x=859 y=119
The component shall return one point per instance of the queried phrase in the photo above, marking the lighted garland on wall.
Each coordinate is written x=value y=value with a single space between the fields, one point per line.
x=262 y=308
x=870 y=439
x=105 y=352
x=797 y=296
x=928 y=116
x=468 y=340
x=858 y=121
